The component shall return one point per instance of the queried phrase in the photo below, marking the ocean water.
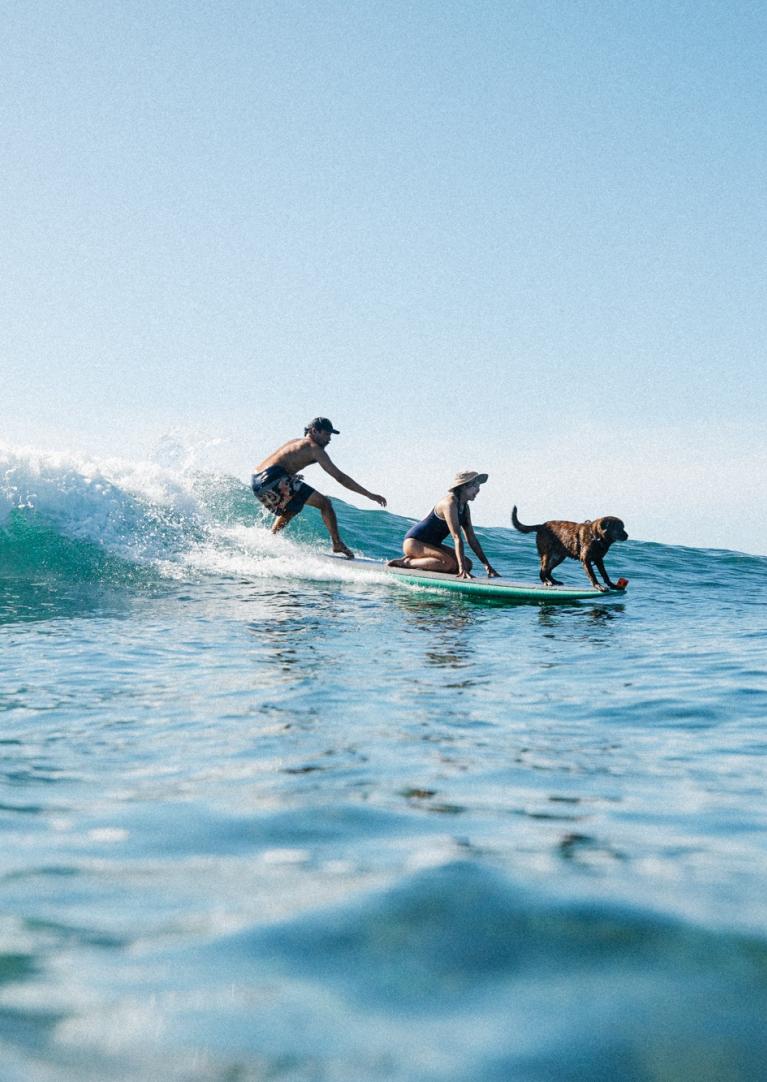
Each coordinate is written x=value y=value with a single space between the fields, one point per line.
x=268 y=818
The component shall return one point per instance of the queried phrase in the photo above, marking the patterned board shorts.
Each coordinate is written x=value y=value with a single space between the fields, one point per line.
x=279 y=491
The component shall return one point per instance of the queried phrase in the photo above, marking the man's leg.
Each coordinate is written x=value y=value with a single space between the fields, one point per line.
x=291 y=497
x=325 y=507
x=283 y=520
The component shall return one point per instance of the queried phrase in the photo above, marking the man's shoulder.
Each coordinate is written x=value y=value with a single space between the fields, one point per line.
x=307 y=448
x=300 y=452
x=300 y=445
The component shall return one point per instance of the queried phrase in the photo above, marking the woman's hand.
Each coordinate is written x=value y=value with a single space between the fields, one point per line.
x=491 y=572
x=464 y=574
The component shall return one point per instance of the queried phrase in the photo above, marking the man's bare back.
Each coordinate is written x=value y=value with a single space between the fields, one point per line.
x=275 y=483
x=293 y=456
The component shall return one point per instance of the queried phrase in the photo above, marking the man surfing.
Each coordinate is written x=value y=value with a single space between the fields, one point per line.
x=277 y=485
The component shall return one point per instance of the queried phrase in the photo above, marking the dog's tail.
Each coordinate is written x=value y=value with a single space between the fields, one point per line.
x=520 y=525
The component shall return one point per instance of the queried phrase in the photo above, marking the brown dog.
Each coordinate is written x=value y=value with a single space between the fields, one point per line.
x=584 y=541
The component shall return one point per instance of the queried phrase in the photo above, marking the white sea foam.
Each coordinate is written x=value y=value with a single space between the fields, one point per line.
x=168 y=514
x=254 y=552
x=112 y=502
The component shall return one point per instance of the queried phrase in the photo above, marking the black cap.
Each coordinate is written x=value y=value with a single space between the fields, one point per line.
x=324 y=424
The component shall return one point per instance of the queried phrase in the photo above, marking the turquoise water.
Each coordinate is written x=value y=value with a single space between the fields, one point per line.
x=268 y=818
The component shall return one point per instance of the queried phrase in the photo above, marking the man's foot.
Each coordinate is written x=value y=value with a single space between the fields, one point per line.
x=344 y=550
x=403 y=561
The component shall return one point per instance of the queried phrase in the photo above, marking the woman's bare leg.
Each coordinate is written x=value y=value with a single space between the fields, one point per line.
x=423 y=557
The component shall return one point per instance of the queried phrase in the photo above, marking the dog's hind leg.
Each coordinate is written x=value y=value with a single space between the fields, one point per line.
x=548 y=563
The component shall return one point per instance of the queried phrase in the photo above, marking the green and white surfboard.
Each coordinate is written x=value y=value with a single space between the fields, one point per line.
x=483 y=587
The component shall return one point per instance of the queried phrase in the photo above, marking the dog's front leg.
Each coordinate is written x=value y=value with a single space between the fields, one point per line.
x=603 y=572
x=592 y=577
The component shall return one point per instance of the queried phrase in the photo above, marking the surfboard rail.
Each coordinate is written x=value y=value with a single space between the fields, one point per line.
x=502 y=588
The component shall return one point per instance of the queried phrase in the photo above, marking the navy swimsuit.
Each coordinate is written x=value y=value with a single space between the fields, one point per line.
x=431 y=530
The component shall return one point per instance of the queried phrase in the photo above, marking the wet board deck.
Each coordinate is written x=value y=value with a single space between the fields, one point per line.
x=482 y=587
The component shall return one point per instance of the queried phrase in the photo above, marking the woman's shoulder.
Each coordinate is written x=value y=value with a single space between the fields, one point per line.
x=448 y=503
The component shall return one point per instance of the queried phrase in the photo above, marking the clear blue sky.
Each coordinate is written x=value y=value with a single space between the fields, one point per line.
x=527 y=238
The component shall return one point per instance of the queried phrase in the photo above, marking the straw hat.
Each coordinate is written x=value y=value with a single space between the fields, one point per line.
x=465 y=477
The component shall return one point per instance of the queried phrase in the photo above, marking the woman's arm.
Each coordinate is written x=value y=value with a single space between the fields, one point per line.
x=449 y=508
x=473 y=540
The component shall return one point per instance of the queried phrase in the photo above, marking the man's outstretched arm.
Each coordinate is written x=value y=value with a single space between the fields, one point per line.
x=344 y=479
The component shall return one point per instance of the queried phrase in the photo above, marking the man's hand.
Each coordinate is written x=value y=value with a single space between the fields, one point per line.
x=377 y=499
x=491 y=572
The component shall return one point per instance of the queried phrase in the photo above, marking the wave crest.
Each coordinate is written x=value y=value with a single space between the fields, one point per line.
x=117 y=521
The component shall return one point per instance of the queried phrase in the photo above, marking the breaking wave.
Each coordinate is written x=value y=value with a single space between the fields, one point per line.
x=115 y=523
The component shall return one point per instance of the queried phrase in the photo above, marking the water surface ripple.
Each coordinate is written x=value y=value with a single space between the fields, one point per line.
x=262 y=819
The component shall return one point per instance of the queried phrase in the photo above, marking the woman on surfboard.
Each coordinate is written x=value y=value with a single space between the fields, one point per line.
x=423 y=548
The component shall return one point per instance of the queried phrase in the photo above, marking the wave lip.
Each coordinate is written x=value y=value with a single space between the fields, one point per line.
x=112 y=503
x=113 y=522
